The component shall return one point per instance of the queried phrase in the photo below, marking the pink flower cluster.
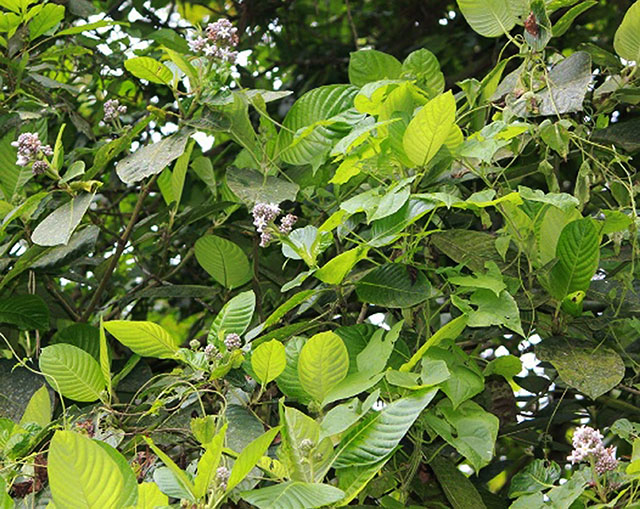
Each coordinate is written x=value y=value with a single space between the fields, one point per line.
x=264 y=214
x=588 y=445
x=113 y=109
x=218 y=41
x=31 y=150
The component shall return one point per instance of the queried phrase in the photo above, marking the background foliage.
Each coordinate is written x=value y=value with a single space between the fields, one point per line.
x=385 y=258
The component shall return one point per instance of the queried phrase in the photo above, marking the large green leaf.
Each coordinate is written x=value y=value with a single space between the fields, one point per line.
x=58 y=226
x=380 y=432
x=150 y=496
x=460 y=491
x=82 y=475
x=306 y=456
x=25 y=311
x=250 y=456
x=251 y=186
x=181 y=478
x=82 y=335
x=490 y=18
x=288 y=382
x=38 y=409
x=268 y=361
x=590 y=368
x=223 y=260
x=208 y=463
x=235 y=316
x=72 y=371
x=429 y=129
x=394 y=285
x=293 y=495
x=147 y=339
x=369 y=65
x=147 y=68
x=578 y=253
x=352 y=480
x=152 y=159
x=316 y=105
x=423 y=66
x=45 y=20
x=323 y=364
x=627 y=39
x=468 y=428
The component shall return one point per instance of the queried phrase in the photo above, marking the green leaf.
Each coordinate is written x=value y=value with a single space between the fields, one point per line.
x=250 y=456
x=507 y=366
x=268 y=361
x=317 y=105
x=147 y=68
x=130 y=492
x=28 y=312
x=537 y=476
x=423 y=67
x=45 y=20
x=490 y=18
x=323 y=364
x=306 y=244
x=373 y=358
x=578 y=253
x=469 y=428
x=181 y=477
x=303 y=453
x=459 y=490
x=394 y=285
x=72 y=372
x=105 y=361
x=87 y=26
x=336 y=269
x=251 y=186
x=82 y=335
x=287 y=306
x=627 y=39
x=235 y=316
x=208 y=464
x=75 y=170
x=150 y=496
x=293 y=495
x=223 y=260
x=82 y=475
x=491 y=310
x=467 y=247
x=564 y=23
x=465 y=381
x=538 y=39
x=288 y=382
x=450 y=330
x=353 y=480
x=369 y=65
x=180 y=171
x=353 y=384
x=58 y=226
x=58 y=150
x=380 y=432
x=147 y=339
x=38 y=409
x=491 y=280
x=429 y=129
x=342 y=417
x=153 y=158
x=590 y=368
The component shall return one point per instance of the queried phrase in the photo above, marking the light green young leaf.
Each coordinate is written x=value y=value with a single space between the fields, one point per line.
x=50 y=15
x=147 y=68
x=184 y=481
x=268 y=361
x=336 y=269
x=105 y=361
x=429 y=129
x=72 y=372
x=323 y=364
x=38 y=409
x=627 y=39
x=147 y=339
x=249 y=457
x=208 y=464
x=490 y=18
x=150 y=496
x=83 y=475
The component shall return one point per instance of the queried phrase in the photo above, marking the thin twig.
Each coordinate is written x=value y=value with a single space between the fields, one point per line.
x=122 y=242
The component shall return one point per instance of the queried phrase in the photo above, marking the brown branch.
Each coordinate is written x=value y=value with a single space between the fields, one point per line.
x=122 y=242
